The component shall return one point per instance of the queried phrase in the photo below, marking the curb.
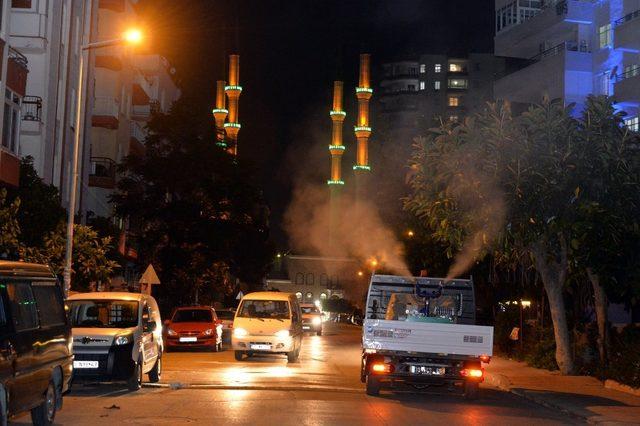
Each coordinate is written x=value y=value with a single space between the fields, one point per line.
x=617 y=386
x=179 y=385
x=502 y=382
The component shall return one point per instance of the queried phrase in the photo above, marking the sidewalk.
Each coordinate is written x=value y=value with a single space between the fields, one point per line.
x=579 y=396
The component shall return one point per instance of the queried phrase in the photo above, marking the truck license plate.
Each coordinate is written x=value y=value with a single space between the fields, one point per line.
x=427 y=371
x=188 y=339
x=85 y=364
x=261 y=347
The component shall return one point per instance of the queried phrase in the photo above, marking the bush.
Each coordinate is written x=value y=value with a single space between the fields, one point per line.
x=541 y=350
x=624 y=362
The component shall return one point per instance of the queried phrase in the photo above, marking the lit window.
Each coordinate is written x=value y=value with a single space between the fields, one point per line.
x=605 y=35
x=299 y=295
x=437 y=67
x=422 y=85
x=436 y=85
x=458 y=83
x=309 y=295
x=633 y=123
x=454 y=101
x=423 y=68
x=455 y=68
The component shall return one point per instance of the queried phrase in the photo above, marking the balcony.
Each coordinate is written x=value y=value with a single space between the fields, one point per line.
x=626 y=32
x=142 y=90
x=627 y=89
x=105 y=112
x=560 y=72
x=144 y=112
x=17 y=72
x=558 y=20
x=102 y=173
x=31 y=108
x=138 y=136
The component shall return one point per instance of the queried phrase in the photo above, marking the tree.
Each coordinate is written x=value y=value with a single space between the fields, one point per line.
x=90 y=263
x=495 y=183
x=40 y=205
x=192 y=205
x=9 y=226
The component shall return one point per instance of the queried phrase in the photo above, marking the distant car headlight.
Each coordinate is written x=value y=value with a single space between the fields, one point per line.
x=282 y=334
x=239 y=332
x=171 y=332
x=208 y=332
x=316 y=321
x=123 y=340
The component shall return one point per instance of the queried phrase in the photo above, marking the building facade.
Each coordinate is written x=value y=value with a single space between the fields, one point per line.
x=13 y=84
x=570 y=49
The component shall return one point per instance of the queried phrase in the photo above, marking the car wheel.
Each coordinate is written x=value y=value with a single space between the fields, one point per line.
x=156 y=371
x=44 y=413
x=134 y=382
x=238 y=355
x=471 y=390
x=373 y=385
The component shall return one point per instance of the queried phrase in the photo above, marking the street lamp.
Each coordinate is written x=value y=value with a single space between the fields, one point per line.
x=132 y=37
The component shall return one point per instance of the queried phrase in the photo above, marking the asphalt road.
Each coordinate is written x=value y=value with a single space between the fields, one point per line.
x=322 y=388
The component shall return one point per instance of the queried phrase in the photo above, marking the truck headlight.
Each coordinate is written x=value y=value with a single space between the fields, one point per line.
x=123 y=340
x=239 y=332
x=316 y=321
x=282 y=334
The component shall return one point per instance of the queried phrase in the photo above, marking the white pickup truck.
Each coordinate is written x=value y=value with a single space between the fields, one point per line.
x=421 y=332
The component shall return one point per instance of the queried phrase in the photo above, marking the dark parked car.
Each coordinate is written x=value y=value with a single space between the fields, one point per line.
x=36 y=361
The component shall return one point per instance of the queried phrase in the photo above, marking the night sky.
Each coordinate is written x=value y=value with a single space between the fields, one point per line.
x=290 y=53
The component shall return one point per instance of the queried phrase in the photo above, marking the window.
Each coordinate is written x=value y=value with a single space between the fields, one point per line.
x=413 y=71
x=49 y=302
x=104 y=313
x=23 y=306
x=310 y=279
x=631 y=70
x=458 y=83
x=11 y=128
x=323 y=279
x=277 y=309
x=437 y=67
x=605 y=36
x=192 y=315
x=454 y=101
x=632 y=123
x=423 y=68
x=605 y=83
x=455 y=68
x=309 y=295
x=436 y=85
x=299 y=278
x=422 y=85
x=411 y=87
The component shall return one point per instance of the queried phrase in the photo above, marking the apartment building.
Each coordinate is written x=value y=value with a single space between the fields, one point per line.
x=127 y=87
x=570 y=49
x=49 y=34
x=13 y=82
x=434 y=87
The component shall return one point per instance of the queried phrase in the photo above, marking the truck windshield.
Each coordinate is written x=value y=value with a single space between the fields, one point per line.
x=309 y=310
x=192 y=315
x=104 y=313
x=276 y=309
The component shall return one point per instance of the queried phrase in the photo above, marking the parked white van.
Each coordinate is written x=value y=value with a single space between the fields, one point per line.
x=268 y=322
x=116 y=336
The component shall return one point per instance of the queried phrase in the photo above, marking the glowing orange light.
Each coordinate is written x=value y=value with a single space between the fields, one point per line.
x=133 y=36
x=410 y=233
x=360 y=273
x=379 y=367
x=471 y=372
x=374 y=262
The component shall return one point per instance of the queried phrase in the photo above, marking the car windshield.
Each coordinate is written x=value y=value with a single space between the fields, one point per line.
x=225 y=315
x=104 y=313
x=309 y=310
x=276 y=309
x=192 y=315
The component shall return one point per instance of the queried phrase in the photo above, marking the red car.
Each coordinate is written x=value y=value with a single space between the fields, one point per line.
x=194 y=327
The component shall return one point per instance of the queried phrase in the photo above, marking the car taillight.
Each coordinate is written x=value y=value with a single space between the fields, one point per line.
x=472 y=373
x=382 y=368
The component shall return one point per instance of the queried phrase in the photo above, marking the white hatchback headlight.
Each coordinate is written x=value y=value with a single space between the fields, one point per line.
x=282 y=334
x=239 y=332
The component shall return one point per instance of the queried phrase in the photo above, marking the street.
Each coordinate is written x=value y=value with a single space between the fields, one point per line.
x=322 y=388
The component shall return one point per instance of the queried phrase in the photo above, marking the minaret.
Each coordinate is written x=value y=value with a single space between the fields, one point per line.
x=233 y=91
x=362 y=129
x=336 y=149
x=220 y=113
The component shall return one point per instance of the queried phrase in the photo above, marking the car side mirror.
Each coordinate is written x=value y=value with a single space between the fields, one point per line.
x=149 y=327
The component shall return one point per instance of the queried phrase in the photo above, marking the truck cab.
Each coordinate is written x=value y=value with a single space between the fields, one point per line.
x=420 y=333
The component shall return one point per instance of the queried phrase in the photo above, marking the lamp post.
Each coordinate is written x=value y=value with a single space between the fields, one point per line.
x=132 y=36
